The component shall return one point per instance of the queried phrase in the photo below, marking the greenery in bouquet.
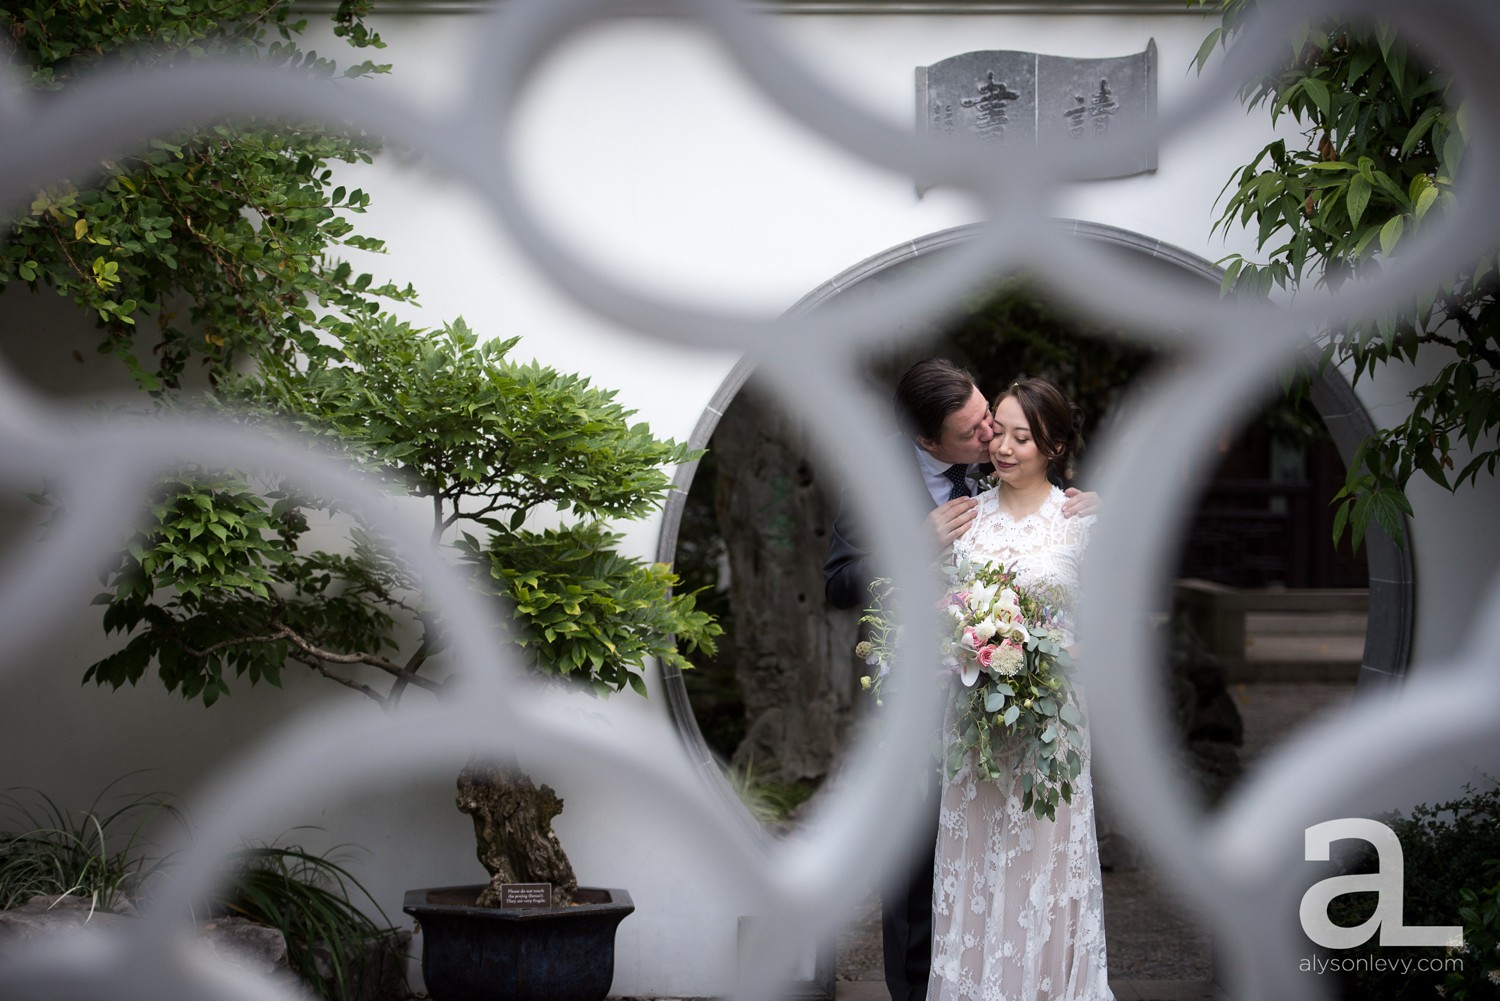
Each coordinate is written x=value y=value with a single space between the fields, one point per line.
x=1004 y=652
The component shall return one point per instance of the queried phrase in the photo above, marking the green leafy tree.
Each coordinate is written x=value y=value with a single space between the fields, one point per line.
x=223 y=584
x=1382 y=143
x=220 y=583
x=216 y=244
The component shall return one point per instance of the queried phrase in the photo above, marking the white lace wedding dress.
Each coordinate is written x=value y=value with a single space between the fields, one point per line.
x=1018 y=911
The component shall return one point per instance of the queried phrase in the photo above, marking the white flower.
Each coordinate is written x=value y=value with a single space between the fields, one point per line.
x=986 y=629
x=984 y=595
x=968 y=673
x=977 y=904
x=1008 y=660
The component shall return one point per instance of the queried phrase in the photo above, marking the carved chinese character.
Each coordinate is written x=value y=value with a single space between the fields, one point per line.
x=1075 y=116
x=1102 y=108
x=992 y=118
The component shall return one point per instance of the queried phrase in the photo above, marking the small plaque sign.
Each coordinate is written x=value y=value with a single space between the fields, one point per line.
x=1023 y=97
x=525 y=894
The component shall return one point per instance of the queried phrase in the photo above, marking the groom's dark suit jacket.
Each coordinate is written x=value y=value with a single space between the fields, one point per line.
x=906 y=903
x=846 y=571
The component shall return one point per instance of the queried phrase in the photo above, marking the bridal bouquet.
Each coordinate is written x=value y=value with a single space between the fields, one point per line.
x=1013 y=705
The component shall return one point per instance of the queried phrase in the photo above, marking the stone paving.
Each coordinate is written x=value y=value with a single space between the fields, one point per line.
x=1158 y=950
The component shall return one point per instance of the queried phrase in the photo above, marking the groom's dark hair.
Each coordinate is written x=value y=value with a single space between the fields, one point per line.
x=927 y=393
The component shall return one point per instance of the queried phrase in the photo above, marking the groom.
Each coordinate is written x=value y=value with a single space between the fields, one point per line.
x=948 y=422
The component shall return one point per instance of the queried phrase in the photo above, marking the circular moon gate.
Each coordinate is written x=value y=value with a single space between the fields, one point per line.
x=1392 y=585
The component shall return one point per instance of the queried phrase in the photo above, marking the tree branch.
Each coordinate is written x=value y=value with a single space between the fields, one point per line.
x=316 y=657
x=369 y=659
x=321 y=668
x=495 y=504
x=413 y=665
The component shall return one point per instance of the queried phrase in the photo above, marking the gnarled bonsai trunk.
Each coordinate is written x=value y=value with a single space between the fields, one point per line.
x=513 y=830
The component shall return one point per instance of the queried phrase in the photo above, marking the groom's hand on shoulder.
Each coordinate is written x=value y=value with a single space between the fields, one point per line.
x=1079 y=503
x=949 y=521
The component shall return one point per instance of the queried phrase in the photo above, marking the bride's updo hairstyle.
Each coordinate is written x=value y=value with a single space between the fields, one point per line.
x=1054 y=421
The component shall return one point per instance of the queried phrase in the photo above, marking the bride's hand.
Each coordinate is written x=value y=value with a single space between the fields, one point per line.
x=948 y=521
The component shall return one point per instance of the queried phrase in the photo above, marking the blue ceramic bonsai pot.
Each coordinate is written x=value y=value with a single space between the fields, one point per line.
x=474 y=953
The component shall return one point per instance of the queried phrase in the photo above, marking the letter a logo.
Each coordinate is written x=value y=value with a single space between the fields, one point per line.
x=1387 y=883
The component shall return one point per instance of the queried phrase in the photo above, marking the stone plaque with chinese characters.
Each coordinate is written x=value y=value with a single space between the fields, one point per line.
x=525 y=894
x=1024 y=97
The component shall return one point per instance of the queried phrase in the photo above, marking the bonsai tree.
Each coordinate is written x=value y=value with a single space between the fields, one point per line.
x=219 y=585
x=221 y=244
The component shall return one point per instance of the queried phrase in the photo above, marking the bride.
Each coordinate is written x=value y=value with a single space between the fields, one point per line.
x=1017 y=907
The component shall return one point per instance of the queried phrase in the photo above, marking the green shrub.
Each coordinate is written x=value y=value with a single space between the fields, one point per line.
x=307 y=897
x=1450 y=852
x=46 y=850
x=770 y=803
x=1480 y=977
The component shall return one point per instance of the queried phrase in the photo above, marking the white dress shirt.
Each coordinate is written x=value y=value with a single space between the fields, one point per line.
x=932 y=469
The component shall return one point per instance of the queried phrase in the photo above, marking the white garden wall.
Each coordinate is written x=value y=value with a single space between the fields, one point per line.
x=644 y=146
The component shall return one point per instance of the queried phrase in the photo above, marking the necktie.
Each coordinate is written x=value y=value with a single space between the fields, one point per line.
x=956 y=475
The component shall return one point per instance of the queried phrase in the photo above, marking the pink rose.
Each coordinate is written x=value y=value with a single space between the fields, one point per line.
x=985 y=655
x=971 y=638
